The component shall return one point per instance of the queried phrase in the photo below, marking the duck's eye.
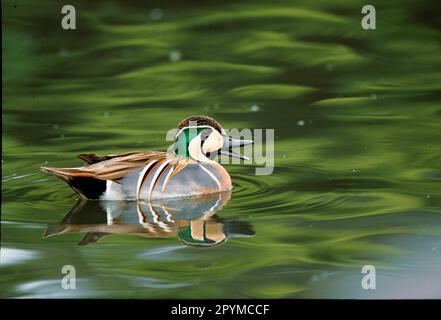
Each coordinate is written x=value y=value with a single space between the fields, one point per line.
x=212 y=154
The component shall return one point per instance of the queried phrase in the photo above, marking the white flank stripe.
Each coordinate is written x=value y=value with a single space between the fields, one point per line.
x=164 y=184
x=141 y=176
x=212 y=176
x=158 y=171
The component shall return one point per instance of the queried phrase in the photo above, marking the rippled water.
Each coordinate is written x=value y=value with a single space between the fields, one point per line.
x=357 y=155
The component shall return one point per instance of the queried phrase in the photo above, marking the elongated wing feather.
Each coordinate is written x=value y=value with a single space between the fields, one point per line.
x=92 y=158
x=119 y=166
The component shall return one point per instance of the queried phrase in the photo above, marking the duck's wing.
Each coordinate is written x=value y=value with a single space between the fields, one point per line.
x=89 y=180
x=115 y=167
x=111 y=167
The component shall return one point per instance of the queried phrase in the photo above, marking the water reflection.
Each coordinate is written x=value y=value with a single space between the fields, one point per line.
x=192 y=220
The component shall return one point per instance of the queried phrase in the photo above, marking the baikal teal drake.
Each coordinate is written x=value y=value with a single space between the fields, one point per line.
x=187 y=170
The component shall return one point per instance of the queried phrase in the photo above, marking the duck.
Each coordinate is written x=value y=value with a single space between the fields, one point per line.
x=187 y=169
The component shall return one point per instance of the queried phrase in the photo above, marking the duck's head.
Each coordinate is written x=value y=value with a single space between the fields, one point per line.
x=202 y=138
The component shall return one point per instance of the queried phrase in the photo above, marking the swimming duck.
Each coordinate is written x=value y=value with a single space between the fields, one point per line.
x=188 y=170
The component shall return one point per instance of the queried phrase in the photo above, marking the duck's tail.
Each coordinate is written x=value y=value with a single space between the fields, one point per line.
x=82 y=181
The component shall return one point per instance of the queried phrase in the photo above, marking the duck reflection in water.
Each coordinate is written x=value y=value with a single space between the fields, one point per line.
x=193 y=220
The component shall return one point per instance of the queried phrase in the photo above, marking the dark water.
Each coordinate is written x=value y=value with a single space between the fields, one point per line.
x=357 y=149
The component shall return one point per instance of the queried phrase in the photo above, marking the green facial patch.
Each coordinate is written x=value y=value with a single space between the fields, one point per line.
x=183 y=141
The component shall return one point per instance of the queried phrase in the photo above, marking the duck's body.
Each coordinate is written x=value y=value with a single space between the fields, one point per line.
x=152 y=174
x=142 y=176
x=191 y=180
